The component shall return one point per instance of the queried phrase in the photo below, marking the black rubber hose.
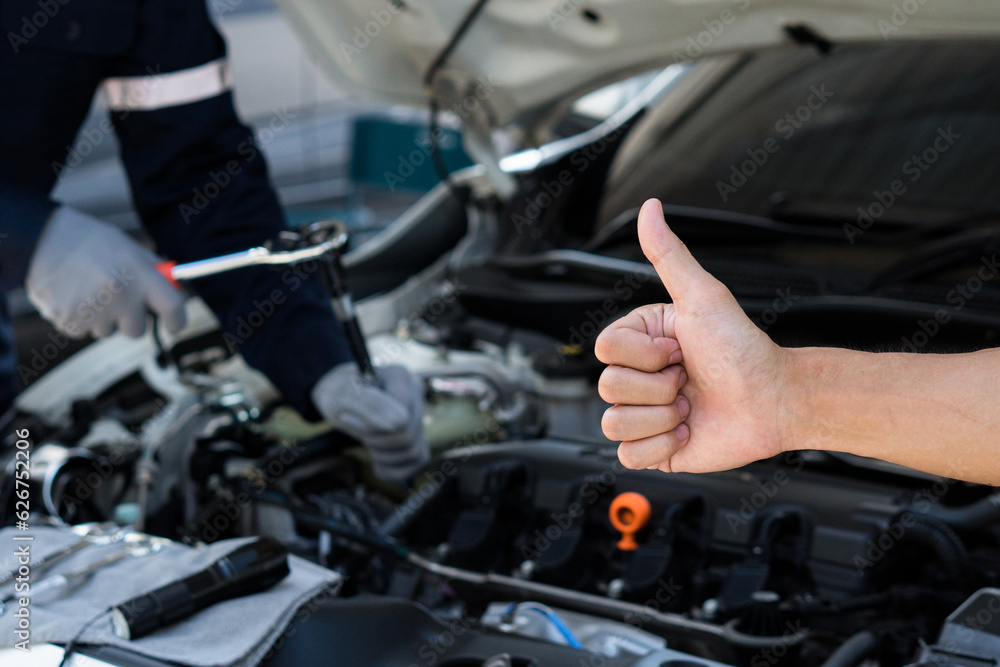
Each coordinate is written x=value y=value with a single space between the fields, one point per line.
x=322 y=522
x=852 y=652
x=979 y=514
x=943 y=541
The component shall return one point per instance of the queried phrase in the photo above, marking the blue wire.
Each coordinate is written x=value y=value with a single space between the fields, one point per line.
x=556 y=622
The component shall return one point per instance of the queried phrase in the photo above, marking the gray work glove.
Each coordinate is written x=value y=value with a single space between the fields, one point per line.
x=387 y=417
x=87 y=276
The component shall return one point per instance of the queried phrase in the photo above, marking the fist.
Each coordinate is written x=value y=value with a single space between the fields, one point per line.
x=696 y=386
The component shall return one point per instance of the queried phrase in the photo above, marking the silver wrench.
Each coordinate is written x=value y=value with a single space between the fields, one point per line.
x=93 y=536
x=262 y=255
x=136 y=545
x=324 y=241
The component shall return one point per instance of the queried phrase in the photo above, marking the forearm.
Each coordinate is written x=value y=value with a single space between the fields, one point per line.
x=932 y=412
x=200 y=184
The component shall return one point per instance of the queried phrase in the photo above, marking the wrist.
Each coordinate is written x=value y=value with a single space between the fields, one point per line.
x=799 y=369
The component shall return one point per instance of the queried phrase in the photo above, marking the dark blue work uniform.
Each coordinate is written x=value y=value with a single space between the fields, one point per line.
x=173 y=154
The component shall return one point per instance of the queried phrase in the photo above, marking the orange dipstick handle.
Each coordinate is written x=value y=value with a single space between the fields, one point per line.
x=166 y=269
x=629 y=513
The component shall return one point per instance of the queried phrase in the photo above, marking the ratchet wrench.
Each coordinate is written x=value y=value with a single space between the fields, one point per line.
x=322 y=241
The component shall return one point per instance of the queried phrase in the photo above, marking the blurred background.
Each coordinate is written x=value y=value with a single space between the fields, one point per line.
x=327 y=153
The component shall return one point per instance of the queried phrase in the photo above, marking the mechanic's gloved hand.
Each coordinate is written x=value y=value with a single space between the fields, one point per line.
x=87 y=276
x=388 y=417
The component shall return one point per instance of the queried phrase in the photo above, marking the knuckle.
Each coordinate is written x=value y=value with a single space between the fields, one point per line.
x=604 y=386
x=608 y=387
x=610 y=424
x=603 y=348
x=667 y=389
x=627 y=457
x=675 y=413
x=670 y=418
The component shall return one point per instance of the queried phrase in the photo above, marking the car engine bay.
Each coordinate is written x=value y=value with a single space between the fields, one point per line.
x=526 y=537
x=525 y=542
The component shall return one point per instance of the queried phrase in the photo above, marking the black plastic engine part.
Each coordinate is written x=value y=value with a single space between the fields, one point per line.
x=354 y=631
x=970 y=636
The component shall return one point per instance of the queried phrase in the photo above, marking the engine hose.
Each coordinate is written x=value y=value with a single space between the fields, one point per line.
x=852 y=652
x=584 y=602
x=319 y=521
x=978 y=515
x=620 y=610
x=943 y=541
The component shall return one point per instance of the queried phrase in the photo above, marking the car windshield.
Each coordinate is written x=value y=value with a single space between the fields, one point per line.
x=891 y=133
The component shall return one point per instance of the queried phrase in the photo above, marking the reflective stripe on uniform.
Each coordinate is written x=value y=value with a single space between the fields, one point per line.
x=157 y=91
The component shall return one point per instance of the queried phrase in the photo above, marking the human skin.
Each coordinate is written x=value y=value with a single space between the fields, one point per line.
x=697 y=387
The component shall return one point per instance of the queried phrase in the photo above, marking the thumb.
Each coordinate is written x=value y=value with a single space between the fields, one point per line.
x=680 y=272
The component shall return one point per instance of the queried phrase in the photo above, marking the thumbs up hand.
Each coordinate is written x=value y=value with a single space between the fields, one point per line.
x=697 y=387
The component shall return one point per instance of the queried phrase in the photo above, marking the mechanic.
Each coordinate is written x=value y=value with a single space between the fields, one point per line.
x=697 y=387
x=162 y=67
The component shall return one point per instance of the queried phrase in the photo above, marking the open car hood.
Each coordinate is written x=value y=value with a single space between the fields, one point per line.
x=522 y=57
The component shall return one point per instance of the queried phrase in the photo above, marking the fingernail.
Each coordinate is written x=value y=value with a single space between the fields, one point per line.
x=684 y=407
x=675 y=358
x=683 y=432
x=682 y=378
